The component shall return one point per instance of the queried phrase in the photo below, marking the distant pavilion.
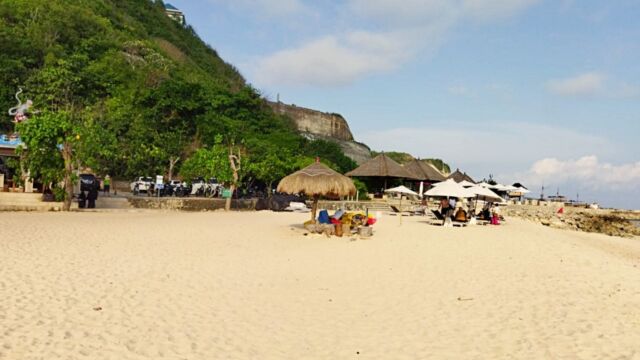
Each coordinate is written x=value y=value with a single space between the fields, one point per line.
x=459 y=176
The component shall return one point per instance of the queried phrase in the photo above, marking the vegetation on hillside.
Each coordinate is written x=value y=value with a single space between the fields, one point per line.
x=125 y=90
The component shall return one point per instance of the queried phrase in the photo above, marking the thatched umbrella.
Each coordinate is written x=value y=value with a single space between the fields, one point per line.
x=317 y=180
x=424 y=171
x=384 y=167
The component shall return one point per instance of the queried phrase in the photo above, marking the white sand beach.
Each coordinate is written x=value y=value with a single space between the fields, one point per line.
x=169 y=285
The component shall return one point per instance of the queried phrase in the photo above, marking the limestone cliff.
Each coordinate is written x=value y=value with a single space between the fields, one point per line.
x=315 y=122
x=328 y=126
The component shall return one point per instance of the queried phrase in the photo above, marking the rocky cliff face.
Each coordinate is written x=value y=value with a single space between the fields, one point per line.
x=327 y=126
x=315 y=122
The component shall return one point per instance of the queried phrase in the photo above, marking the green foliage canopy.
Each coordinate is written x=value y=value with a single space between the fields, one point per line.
x=131 y=89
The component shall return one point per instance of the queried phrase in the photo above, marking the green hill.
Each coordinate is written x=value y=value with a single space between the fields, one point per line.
x=139 y=91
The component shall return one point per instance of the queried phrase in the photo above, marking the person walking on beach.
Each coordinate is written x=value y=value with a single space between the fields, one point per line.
x=106 y=185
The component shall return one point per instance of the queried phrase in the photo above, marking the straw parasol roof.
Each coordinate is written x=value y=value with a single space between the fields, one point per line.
x=423 y=171
x=459 y=176
x=382 y=166
x=317 y=180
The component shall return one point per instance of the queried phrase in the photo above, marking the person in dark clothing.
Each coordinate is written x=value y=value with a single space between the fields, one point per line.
x=82 y=200
x=93 y=195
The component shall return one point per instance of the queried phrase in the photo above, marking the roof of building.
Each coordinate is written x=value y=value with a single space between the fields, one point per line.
x=381 y=166
x=459 y=176
x=424 y=171
x=170 y=7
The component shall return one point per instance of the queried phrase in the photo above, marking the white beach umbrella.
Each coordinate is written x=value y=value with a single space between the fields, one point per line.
x=522 y=190
x=450 y=188
x=485 y=194
x=499 y=187
x=466 y=183
x=402 y=190
x=484 y=184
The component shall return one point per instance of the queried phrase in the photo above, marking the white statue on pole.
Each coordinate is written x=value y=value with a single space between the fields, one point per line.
x=20 y=112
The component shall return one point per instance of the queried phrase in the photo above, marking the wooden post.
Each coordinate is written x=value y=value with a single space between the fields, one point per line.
x=235 y=163
x=314 y=208
x=67 y=152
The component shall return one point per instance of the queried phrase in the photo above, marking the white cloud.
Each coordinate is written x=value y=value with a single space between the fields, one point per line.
x=590 y=83
x=403 y=30
x=593 y=84
x=331 y=60
x=587 y=171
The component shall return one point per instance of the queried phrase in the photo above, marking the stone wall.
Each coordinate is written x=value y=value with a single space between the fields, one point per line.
x=189 y=204
x=607 y=222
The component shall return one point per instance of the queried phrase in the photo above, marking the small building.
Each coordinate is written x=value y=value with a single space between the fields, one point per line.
x=8 y=146
x=459 y=176
x=174 y=13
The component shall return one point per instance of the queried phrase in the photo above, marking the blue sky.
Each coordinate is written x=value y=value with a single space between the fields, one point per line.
x=542 y=92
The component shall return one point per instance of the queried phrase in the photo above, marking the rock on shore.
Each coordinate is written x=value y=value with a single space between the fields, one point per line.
x=607 y=222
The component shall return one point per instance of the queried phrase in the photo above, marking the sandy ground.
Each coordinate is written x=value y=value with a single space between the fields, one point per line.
x=166 y=285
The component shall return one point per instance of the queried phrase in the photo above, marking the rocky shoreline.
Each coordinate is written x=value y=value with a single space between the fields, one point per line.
x=602 y=221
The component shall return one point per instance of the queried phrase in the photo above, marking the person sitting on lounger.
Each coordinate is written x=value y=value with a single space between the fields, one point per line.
x=461 y=215
x=444 y=208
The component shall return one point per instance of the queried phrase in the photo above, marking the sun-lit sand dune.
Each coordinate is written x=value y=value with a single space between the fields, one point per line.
x=154 y=285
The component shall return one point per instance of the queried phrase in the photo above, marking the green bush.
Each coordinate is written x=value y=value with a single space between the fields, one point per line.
x=362 y=190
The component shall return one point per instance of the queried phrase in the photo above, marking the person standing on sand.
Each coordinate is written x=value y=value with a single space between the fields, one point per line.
x=106 y=185
x=82 y=200
x=91 y=197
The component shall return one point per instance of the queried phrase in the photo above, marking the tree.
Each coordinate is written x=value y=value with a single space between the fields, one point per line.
x=270 y=164
x=49 y=138
x=142 y=92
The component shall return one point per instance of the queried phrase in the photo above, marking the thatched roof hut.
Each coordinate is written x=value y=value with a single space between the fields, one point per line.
x=458 y=176
x=424 y=171
x=317 y=180
x=383 y=167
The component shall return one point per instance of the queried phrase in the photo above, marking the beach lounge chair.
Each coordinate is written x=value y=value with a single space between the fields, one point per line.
x=396 y=211
x=435 y=218
x=438 y=215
